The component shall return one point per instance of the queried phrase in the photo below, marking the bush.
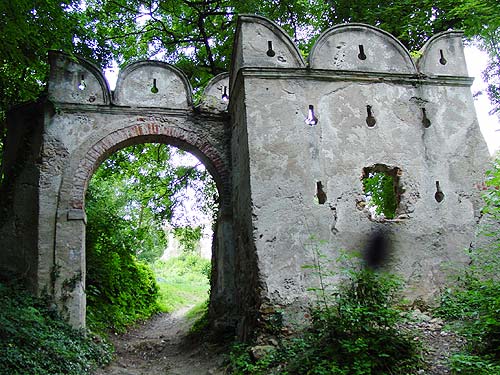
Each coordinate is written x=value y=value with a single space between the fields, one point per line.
x=120 y=291
x=476 y=309
x=34 y=340
x=473 y=301
x=355 y=333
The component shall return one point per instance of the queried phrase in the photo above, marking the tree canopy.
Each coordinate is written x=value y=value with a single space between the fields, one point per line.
x=196 y=35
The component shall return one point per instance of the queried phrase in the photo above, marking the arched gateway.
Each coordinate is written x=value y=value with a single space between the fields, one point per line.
x=288 y=151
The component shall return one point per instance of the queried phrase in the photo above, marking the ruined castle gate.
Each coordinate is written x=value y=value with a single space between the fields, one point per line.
x=288 y=151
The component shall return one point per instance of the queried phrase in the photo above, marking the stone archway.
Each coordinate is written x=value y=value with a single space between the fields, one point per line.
x=80 y=124
x=69 y=251
x=147 y=131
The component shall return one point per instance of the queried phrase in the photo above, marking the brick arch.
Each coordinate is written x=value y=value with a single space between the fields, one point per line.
x=212 y=158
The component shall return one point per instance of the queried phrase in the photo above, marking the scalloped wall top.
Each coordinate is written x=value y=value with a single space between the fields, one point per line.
x=443 y=55
x=153 y=84
x=260 y=42
x=360 y=47
x=76 y=81
x=216 y=94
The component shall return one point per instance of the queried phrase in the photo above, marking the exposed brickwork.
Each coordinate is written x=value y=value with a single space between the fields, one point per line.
x=135 y=134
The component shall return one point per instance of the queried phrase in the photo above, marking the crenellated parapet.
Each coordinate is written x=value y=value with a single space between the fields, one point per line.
x=143 y=84
x=351 y=47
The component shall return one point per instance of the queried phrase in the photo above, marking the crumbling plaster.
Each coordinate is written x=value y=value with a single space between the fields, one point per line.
x=287 y=157
x=266 y=161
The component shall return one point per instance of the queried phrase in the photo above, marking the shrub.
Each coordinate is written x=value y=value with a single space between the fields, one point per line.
x=120 y=291
x=473 y=301
x=34 y=340
x=354 y=333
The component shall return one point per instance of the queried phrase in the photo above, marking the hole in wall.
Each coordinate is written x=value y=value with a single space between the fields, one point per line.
x=425 y=120
x=361 y=54
x=382 y=191
x=442 y=59
x=154 y=89
x=311 y=118
x=370 y=120
x=320 y=193
x=82 y=86
x=270 y=52
x=439 y=195
x=225 y=96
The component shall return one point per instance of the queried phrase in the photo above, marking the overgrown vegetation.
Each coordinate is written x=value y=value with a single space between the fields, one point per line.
x=183 y=281
x=380 y=190
x=129 y=199
x=473 y=302
x=354 y=330
x=35 y=340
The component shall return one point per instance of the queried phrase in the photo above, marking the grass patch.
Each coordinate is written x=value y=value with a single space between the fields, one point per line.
x=182 y=281
x=197 y=311
x=199 y=315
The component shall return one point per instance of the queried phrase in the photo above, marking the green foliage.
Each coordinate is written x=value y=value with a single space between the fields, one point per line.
x=189 y=238
x=473 y=305
x=199 y=314
x=28 y=29
x=183 y=281
x=145 y=188
x=128 y=200
x=466 y=364
x=35 y=340
x=473 y=302
x=355 y=332
x=381 y=189
x=120 y=289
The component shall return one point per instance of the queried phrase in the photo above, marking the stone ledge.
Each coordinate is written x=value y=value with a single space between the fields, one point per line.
x=77 y=214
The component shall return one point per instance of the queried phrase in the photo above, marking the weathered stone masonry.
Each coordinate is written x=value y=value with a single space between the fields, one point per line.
x=375 y=108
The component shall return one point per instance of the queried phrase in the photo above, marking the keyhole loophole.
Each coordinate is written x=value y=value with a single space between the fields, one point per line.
x=370 y=120
x=154 y=89
x=442 y=60
x=270 y=52
x=361 y=54
x=82 y=86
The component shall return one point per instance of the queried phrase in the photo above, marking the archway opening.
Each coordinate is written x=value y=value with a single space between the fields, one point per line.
x=150 y=210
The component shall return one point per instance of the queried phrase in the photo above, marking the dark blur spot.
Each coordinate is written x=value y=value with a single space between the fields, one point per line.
x=377 y=250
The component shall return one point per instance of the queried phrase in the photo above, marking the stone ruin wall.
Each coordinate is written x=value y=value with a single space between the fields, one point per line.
x=266 y=160
x=352 y=70
x=68 y=134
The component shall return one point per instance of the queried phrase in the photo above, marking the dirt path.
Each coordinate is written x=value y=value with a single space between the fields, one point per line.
x=160 y=347
x=438 y=343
